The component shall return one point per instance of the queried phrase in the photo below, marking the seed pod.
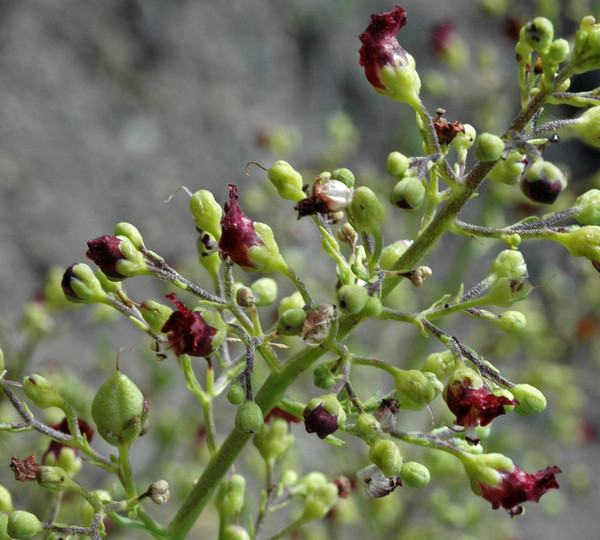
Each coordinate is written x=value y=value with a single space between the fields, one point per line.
x=118 y=410
x=236 y=394
x=291 y=322
x=42 y=392
x=488 y=147
x=366 y=210
x=23 y=524
x=352 y=298
x=249 y=417
x=386 y=455
x=414 y=474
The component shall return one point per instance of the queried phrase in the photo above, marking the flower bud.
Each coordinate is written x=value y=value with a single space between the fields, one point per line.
x=589 y=208
x=79 y=284
x=6 y=504
x=373 y=307
x=130 y=232
x=416 y=388
x=319 y=502
x=155 y=314
x=311 y=481
x=414 y=475
x=543 y=182
x=408 y=194
x=352 y=298
x=392 y=252
x=265 y=291
x=287 y=181
x=230 y=496
x=488 y=147
x=118 y=410
x=582 y=242
x=396 y=164
x=346 y=176
x=207 y=212
x=388 y=67
x=511 y=321
x=386 y=455
x=367 y=425
x=274 y=439
x=23 y=524
x=508 y=264
x=55 y=479
x=294 y=300
x=558 y=51
x=441 y=364
x=586 y=52
x=323 y=415
x=249 y=417
x=538 y=34
x=291 y=322
x=67 y=460
x=236 y=394
x=366 y=210
x=117 y=257
x=235 y=532
x=531 y=400
x=42 y=392
x=509 y=170
x=464 y=139
x=505 y=292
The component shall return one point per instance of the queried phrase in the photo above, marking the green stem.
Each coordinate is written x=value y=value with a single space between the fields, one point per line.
x=268 y=396
x=125 y=473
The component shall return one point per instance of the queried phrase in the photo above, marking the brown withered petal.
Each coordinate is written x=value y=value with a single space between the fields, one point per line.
x=25 y=470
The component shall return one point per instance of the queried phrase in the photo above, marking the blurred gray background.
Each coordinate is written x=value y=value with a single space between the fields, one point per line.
x=106 y=108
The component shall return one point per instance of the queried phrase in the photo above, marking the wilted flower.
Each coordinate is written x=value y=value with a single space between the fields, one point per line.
x=189 y=333
x=376 y=484
x=328 y=196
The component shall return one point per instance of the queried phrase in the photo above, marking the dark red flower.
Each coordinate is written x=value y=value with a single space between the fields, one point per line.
x=276 y=412
x=238 y=233
x=441 y=36
x=380 y=46
x=517 y=487
x=188 y=332
x=320 y=421
x=66 y=282
x=474 y=406
x=106 y=253
x=56 y=447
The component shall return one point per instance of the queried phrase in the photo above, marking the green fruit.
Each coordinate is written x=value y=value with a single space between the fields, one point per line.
x=236 y=394
x=249 y=417
x=488 y=147
x=23 y=524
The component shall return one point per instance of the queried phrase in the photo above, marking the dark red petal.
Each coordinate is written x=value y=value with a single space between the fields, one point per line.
x=105 y=252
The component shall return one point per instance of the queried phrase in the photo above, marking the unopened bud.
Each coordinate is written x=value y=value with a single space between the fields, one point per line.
x=6 y=504
x=392 y=252
x=488 y=147
x=230 y=496
x=207 y=212
x=508 y=264
x=441 y=364
x=236 y=394
x=509 y=170
x=131 y=233
x=543 y=182
x=511 y=321
x=319 y=502
x=352 y=298
x=287 y=181
x=531 y=400
x=42 y=392
x=79 y=284
x=366 y=210
x=385 y=454
x=408 y=194
x=538 y=34
x=589 y=208
x=274 y=439
x=414 y=474
x=265 y=291
x=291 y=322
x=346 y=176
x=235 y=532
x=367 y=425
x=23 y=524
x=396 y=164
x=416 y=388
x=373 y=307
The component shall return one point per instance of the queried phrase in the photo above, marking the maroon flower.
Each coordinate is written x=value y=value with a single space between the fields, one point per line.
x=327 y=197
x=188 y=332
x=380 y=46
x=56 y=447
x=517 y=487
x=474 y=406
x=238 y=234
x=441 y=37
x=106 y=253
x=66 y=282
x=276 y=412
x=320 y=421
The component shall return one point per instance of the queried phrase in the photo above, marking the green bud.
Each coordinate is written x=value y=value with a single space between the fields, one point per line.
x=319 y=502
x=392 y=252
x=230 y=496
x=488 y=147
x=588 y=126
x=505 y=292
x=586 y=52
x=274 y=439
x=323 y=378
x=511 y=321
x=130 y=232
x=118 y=410
x=367 y=425
x=42 y=392
x=531 y=400
x=509 y=170
x=289 y=478
x=311 y=481
x=249 y=417
x=294 y=300
x=211 y=261
x=36 y=320
x=463 y=141
x=396 y=164
x=441 y=364
x=385 y=454
x=345 y=176
x=286 y=181
x=414 y=475
x=416 y=388
x=56 y=479
x=207 y=212
x=155 y=314
x=266 y=257
x=373 y=307
x=265 y=291
x=23 y=524
x=582 y=242
x=236 y=394
x=291 y=322
x=3 y=525
x=352 y=298
x=408 y=194
x=235 y=532
x=79 y=284
x=401 y=81
x=366 y=210
x=589 y=208
x=538 y=34
x=508 y=264
x=558 y=51
x=6 y=504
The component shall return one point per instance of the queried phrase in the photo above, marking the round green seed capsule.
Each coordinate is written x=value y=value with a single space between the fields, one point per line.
x=23 y=524
x=249 y=417
x=236 y=394
x=488 y=147
x=396 y=164
x=352 y=298
x=414 y=474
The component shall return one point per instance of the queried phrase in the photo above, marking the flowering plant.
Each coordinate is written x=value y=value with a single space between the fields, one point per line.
x=255 y=360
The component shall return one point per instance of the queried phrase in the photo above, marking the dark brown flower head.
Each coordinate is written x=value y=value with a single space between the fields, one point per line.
x=446 y=131
x=328 y=197
x=517 y=487
x=187 y=331
x=106 y=253
x=320 y=421
x=56 y=447
x=238 y=234
x=474 y=406
x=380 y=46
x=25 y=470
